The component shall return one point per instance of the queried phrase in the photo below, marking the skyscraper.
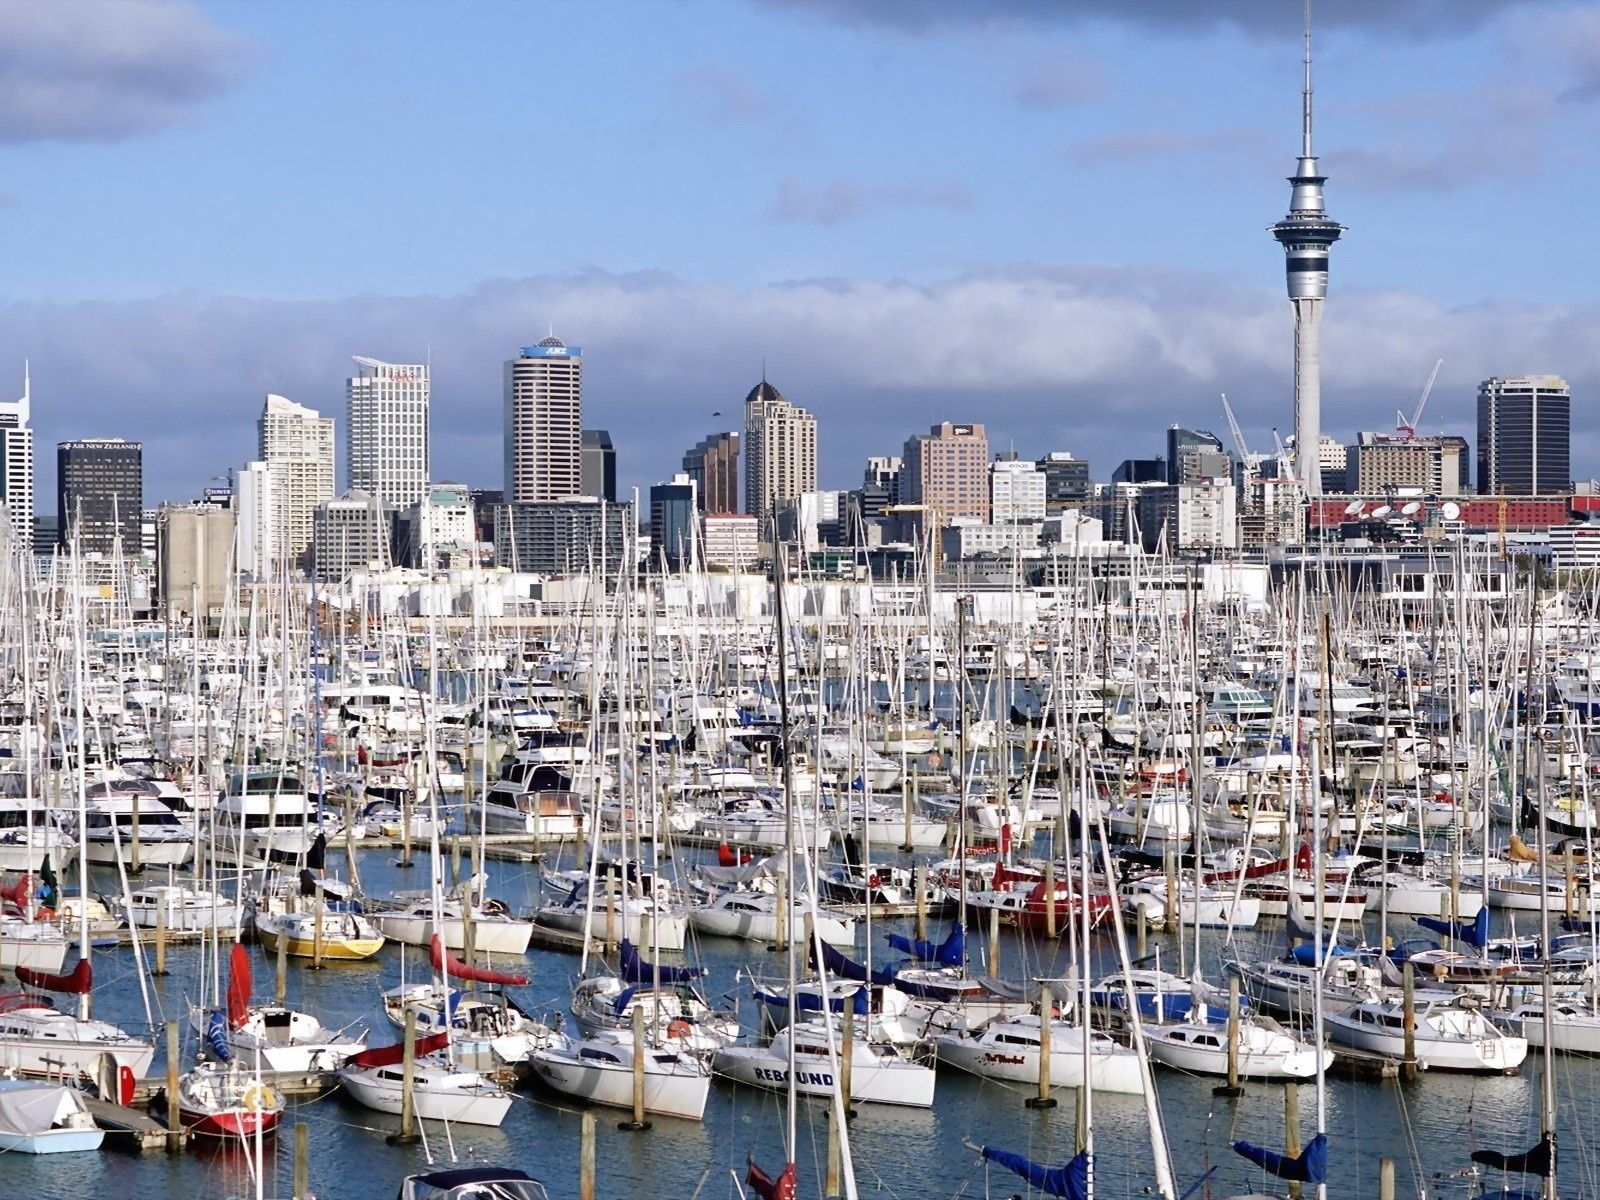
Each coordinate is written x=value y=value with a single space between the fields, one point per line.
x=674 y=517
x=1524 y=435
x=387 y=447
x=1306 y=234
x=599 y=466
x=544 y=423
x=16 y=462
x=296 y=443
x=100 y=495
x=713 y=465
x=780 y=451
x=946 y=474
x=1195 y=454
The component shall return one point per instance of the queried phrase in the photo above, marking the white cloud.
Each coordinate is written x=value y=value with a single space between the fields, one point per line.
x=72 y=70
x=1097 y=361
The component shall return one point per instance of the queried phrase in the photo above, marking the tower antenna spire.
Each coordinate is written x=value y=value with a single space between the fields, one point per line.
x=1305 y=151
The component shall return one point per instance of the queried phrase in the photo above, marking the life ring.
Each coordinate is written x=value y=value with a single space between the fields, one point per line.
x=679 y=1028
x=258 y=1098
x=873 y=880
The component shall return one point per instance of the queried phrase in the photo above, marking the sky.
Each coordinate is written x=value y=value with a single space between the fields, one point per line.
x=1049 y=216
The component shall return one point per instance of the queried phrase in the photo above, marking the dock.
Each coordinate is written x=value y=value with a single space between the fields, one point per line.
x=1350 y=1063
x=132 y=1126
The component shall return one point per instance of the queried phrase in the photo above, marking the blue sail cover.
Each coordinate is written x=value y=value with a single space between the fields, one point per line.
x=952 y=952
x=1070 y=1181
x=1474 y=933
x=842 y=967
x=636 y=970
x=1310 y=1167
x=217 y=1038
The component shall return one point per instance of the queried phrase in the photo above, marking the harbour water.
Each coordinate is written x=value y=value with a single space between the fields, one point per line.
x=1428 y=1126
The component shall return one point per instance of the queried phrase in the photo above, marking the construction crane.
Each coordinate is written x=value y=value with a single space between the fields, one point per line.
x=1248 y=463
x=1409 y=428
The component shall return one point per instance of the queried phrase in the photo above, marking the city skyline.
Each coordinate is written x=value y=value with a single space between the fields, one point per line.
x=1061 y=308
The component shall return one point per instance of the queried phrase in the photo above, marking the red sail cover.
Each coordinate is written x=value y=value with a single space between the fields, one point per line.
x=78 y=981
x=452 y=966
x=19 y=893
x=238 y=986
x=388 y=1056
x=785 y=1187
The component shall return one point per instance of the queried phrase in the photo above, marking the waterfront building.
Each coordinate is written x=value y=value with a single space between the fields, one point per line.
x=386 y=445
x=1524 y=435
x=100 y=495
x=296 y=442
x=544 y=423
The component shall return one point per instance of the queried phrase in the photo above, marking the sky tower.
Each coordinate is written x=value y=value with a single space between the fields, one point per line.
x=1306 y=233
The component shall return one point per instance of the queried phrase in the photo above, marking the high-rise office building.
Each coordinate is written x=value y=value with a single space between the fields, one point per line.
x=780 y=451
x=296 y=443
x=945 y=475
x=256 y=493
x=1195 y=454
x=674 y=519
x=713 y=465
x=352 y=532
x=100 y=495
x=1524 y=435
x=386 y=451
x=1016 y=491
x=16 y=462
x=1066 y=481
x=599 y=465
x=544 y=423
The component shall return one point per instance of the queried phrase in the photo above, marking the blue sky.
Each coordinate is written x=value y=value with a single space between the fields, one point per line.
x=1047 y=215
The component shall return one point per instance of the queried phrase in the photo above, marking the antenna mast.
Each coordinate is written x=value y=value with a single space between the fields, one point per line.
x=1305 y=136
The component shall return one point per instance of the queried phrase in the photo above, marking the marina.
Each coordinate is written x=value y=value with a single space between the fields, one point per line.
x=286 y=961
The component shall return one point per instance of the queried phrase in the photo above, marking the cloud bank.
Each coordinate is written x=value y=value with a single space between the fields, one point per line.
x=1092 y=360
x=71 y=70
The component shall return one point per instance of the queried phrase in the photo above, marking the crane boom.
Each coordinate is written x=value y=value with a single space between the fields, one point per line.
x=1233 y=428
x=1409 y=428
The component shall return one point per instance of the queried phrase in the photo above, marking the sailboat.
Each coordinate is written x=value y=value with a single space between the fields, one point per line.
x=279 y=1037
x=442 y=1090
x=36 y=1038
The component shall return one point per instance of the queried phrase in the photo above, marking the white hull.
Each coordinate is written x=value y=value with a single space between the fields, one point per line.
x=465 y=1098
x=1263 y=1053
x=675 y=1088
x=648 y=930
x=1112 y=1068
x=488 y=936
x=873 y=1080
x=763 y=926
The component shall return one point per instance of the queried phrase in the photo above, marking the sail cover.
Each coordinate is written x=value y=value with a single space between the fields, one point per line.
x=785 y=1187
x=1541 y=1160
x=238 y=986
x=452 y=966
x=217 y=1038
x=636 y=970
x=388 y=1056
x=78 y=981
x=952 y=952
x=1310 y=1166
x=1070 y=1181
x=1474 y=933
x=842 y=967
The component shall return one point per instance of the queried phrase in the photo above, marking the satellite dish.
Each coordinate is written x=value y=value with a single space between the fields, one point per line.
x=1411 y=509
x=1383 y=510
x=1450 y=510
x=1353 y=508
